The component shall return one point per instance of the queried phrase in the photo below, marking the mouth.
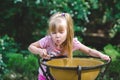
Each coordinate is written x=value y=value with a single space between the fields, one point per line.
x=58 y=41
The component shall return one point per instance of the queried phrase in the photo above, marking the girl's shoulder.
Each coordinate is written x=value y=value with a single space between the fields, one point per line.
x=76 y=44
x=46 y=38
x=75 y=40
x=45 y=41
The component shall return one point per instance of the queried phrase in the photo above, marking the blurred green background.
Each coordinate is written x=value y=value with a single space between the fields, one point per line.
x=96 y=24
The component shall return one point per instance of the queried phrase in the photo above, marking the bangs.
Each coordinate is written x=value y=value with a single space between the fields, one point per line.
x=56 y=26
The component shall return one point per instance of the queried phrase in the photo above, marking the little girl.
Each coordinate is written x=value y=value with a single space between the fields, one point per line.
x=60 y=41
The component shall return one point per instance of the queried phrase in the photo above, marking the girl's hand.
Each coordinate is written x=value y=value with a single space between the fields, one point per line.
x=105 y=57
x=44 y=54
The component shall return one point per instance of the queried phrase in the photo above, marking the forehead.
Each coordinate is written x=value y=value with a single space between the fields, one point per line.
x=58 y=24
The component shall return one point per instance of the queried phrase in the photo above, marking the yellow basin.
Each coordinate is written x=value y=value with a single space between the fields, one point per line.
x=71 y=69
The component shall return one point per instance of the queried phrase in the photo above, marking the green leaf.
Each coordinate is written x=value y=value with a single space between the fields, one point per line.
x=111 y=51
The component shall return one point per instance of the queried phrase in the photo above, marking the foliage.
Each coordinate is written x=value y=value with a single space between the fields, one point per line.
x=26 y=66
x=12 y=63
x=30 y=65
x=114 y=53
x=115 y=29
x=24 y=19
x=111 y=51
x=3 y=67
x=15 y=62
x=7 y=44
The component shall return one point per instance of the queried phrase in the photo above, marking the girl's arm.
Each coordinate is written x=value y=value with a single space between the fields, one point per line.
x=93 y=52
x=36 y=49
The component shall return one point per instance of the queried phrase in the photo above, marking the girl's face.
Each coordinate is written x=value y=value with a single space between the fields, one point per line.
x=59 y=33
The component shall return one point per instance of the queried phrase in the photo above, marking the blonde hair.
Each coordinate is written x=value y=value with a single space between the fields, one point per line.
x=67 y=44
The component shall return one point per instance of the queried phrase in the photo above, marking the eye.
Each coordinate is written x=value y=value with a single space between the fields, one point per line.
x=61 y=32
x=53 y=32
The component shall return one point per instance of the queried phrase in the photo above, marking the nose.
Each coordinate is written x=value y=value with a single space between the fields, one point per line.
x=57 y=35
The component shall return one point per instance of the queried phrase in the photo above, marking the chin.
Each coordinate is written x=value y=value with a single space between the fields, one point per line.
x=58 y=44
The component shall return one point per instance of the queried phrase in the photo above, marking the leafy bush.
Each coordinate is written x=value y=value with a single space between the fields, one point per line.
x=114 y=68
x=30 y=66
x=7 y=44
x=15 y=62
x=112 y=52
x=24 y=19
x=115 y=29
x=3 y=68
x=26 y=66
